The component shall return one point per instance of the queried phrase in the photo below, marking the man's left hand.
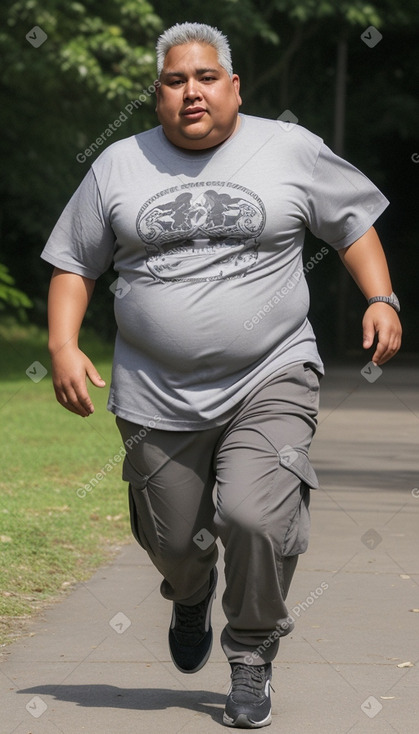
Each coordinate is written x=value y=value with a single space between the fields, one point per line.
x=382 y=319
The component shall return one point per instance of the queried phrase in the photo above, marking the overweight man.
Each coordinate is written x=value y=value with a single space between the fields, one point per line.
x=216 y=372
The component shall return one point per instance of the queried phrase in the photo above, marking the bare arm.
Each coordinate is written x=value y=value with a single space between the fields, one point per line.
x=69 y=296
x=366 y=262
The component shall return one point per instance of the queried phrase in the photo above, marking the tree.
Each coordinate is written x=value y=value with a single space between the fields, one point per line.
x=308 y=57
x=95 y=66
x=57 y=100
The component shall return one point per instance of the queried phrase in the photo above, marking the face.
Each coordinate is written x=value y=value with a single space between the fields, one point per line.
x=197 y=101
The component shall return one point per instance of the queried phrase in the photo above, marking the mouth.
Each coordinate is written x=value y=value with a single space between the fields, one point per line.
x=194 y=113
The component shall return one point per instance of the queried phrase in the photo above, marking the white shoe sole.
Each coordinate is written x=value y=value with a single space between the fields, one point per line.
x=243 y=722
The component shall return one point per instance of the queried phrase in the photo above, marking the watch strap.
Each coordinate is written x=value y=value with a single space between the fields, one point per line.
x=391 y=300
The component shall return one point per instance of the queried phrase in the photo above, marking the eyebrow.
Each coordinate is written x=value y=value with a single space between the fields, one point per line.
x=197 y=71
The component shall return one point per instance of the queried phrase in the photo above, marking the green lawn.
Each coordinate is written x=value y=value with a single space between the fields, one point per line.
x=50 y=537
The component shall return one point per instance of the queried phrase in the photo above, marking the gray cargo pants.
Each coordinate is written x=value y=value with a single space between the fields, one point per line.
x=258 y=463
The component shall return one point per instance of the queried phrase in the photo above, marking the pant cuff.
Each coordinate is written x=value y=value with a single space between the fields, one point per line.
x=263 y=651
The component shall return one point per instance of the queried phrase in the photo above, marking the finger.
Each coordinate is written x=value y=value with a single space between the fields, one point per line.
x=94 y=376
x=76 y=411
x=387 y=350
x=379 y=355
x=75 y=408
x=64 y=402
x=368 y=334
x=389 y=342
x=74 y=400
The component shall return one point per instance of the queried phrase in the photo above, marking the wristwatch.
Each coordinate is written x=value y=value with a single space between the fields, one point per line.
x=392 y=300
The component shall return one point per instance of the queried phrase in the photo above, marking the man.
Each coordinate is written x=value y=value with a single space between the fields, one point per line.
x=215 y=375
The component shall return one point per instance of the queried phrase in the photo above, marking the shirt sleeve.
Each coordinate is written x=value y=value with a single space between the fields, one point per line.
x=342 y=203
x=82 y=240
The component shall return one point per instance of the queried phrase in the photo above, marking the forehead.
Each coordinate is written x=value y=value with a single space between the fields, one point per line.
x=191 y=56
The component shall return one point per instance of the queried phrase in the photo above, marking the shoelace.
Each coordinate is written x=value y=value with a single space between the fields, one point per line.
x=249 y=678
x=190 y=623
x=191 y=618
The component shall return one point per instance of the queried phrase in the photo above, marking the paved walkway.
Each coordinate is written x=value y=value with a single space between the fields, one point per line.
x=99 y=663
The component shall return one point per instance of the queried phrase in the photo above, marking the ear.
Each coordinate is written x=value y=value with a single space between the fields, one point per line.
x=235 y=79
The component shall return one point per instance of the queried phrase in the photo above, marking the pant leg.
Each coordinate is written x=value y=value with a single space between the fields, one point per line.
x=264 y=479
x=171 y=480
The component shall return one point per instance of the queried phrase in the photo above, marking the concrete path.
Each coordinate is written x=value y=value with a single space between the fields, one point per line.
x=98 y=663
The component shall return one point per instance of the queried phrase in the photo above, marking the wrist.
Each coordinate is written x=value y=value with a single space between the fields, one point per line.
x=55 y=346
x=390 y=300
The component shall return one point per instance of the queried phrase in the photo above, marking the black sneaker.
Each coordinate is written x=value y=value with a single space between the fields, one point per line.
x=190 y=633
x=249 y=698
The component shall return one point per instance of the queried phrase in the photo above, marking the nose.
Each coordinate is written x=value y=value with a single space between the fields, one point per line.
x=192 y=90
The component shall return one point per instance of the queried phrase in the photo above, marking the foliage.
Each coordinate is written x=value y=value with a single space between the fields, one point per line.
x=56 y=99
x=285 y=52
x=99 y=56
x=11 y=298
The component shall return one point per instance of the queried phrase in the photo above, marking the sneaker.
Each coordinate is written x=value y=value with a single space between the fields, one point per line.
x=190 y=633
x=248 y=703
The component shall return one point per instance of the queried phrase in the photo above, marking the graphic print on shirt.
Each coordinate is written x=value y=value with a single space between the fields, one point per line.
x=201 y=231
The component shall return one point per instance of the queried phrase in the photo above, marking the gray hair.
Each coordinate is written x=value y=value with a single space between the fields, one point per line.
x=182 y=33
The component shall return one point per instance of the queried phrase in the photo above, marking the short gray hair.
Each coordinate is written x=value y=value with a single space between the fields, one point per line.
x=182 y=33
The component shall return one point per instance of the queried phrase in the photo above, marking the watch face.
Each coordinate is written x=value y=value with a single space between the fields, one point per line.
x=395 y=301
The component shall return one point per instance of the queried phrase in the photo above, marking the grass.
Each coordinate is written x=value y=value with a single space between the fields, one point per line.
x=50 y=538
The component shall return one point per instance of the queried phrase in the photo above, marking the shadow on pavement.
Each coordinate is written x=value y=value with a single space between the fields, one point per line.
x=140 y=699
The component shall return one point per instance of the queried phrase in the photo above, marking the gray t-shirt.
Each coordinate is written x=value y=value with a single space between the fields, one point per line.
x=211 y=298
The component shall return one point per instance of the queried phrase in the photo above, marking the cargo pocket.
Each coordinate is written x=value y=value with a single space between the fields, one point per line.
x=143 y=526
x=297 y=535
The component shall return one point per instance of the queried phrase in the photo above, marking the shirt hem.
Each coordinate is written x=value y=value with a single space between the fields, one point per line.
x=163 y=424
x=203 y=424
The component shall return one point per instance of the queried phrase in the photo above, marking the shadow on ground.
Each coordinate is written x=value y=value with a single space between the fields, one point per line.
x=139 y=699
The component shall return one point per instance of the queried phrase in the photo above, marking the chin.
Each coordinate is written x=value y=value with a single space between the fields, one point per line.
x=203 y=141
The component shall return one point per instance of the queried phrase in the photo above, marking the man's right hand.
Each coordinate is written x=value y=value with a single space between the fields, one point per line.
x=69 y=295
x=70 y=367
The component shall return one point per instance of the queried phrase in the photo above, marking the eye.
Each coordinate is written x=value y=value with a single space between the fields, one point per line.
x=208 y=78
x=175 y=83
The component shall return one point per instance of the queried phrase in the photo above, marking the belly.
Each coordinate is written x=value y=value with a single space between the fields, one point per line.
x=221 y=325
